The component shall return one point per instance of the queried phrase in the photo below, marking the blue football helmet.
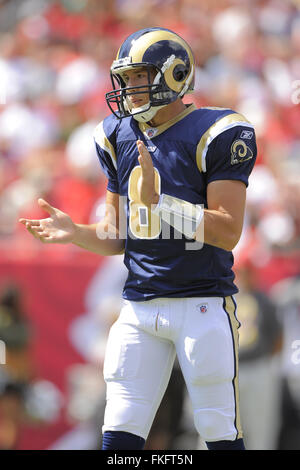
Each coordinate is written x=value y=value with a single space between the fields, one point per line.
x=155 y=49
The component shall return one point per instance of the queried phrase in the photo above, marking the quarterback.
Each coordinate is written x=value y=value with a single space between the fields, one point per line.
x=181 y=174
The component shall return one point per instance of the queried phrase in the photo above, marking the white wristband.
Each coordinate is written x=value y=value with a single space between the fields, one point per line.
x=182 y=215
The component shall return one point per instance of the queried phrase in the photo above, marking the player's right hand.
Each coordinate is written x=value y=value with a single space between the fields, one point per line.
x=146 y=183
x=58 y=228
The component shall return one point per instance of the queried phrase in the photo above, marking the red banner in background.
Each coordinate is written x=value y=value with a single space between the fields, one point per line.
x=52 y=295
x=59 y=287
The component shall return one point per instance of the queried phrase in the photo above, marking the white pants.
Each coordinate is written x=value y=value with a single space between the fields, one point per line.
x=140 y=353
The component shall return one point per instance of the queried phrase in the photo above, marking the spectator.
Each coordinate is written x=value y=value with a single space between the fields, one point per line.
x=286 y=296
x=17 y=373
x=260 y=342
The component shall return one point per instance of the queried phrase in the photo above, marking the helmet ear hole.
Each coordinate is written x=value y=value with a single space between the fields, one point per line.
x=180 y=72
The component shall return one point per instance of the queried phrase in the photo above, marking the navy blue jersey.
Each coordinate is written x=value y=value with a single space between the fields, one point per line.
x=193 y=149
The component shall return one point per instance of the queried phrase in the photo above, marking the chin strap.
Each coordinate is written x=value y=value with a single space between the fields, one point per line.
x=144 y=113
x=147 y=115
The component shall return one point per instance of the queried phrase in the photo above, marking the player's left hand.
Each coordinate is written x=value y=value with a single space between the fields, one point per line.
x=146 y=183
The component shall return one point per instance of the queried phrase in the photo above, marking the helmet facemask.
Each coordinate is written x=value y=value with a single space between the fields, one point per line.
x=159 y=94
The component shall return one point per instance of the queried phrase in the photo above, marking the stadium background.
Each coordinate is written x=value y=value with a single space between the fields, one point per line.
x=57 y=302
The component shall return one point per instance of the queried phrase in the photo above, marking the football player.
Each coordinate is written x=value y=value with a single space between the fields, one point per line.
x=182 y=173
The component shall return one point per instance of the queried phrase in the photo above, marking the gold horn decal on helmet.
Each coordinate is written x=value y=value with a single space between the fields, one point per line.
x=175 y=85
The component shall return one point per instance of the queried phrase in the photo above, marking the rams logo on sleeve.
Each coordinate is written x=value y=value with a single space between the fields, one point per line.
x=240 y=152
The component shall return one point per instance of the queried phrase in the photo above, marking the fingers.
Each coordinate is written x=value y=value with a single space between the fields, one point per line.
x=46 y=206
x=46 y=238
x=35 y=229
x=144 y=159
x=39 y=228
x=31 y=223
x=39 y=233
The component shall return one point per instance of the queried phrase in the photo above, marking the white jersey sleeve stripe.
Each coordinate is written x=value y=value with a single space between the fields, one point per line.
x=104 y=143
x=227 y=122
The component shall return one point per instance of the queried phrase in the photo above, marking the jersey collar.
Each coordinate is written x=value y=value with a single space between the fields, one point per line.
x=150 y=132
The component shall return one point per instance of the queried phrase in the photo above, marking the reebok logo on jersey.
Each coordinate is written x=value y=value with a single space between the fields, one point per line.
x=246 y=134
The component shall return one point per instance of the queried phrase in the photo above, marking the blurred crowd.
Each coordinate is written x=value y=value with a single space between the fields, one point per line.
x=54 y=72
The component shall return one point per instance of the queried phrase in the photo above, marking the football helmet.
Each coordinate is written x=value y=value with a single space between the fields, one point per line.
x=157 y=50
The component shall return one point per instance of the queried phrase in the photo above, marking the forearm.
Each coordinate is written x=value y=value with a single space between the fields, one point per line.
x=213 y=227
x=218 y=229
x=101 y=238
